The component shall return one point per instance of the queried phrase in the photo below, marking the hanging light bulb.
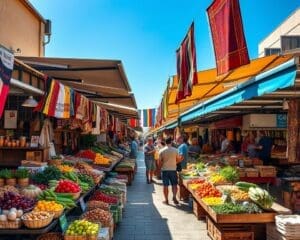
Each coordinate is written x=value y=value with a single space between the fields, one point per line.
x=30 y=102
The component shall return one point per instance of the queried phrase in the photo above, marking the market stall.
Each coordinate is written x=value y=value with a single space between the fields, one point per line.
x=232 y=208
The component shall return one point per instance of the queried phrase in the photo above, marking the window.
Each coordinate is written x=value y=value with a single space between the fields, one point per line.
x=290 y=42
x=272 y=51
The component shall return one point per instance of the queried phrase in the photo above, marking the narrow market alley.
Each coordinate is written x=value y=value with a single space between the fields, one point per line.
x=147 y=218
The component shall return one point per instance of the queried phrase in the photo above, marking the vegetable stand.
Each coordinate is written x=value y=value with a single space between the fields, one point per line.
x=32 y=233
x=255 y=222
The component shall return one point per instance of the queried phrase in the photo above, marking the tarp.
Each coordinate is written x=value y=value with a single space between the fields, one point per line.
x=209 y=85
x=280 y=77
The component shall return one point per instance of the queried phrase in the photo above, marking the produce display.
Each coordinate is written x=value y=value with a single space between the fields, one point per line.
x=239 y=195
x=14 y=200
x=37 y=219
x=232 y=208
x=52 y=190
x=101 y=160
x=11 y=215
x=230 y=174
x=48 y=206
x=74 y=178
x=89 y=154
x=244 y=186
x=82 y=228
x=65 y=168
x=261 y=197
x=97 y=204
x=98 y=215
x=217 y=179
x=211 y=201
x=99 y=196
x=64 y=199
x=67 y=186
x=207 y=190
x=50 y=173
x=225 y=198
x=31 y=191
x=8 y=188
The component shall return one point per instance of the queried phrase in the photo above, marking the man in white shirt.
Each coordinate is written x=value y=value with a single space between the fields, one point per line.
x=224 y=144
x=168 y=158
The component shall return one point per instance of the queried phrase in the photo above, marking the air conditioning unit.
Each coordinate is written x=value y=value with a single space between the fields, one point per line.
x=259 y=121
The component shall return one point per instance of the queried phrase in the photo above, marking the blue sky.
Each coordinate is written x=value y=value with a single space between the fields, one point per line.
x=144 y=34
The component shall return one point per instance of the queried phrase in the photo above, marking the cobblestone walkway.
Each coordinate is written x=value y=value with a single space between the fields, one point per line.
x=147 y=218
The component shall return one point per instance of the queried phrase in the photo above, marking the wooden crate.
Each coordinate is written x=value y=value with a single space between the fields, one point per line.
x=252 y=172
x=266 y=171
x=198 y=210
x=229 y=232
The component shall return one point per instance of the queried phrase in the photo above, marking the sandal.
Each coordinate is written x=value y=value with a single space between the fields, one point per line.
x=166 y=202
x=175 y=201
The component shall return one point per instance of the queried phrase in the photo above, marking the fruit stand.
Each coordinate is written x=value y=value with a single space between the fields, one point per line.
x=71 y=188
x=233 y=209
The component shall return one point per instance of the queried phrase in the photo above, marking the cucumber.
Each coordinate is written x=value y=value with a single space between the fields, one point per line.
x=245 y=185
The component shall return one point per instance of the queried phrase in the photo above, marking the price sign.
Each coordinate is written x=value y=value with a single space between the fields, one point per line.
x=63 y=222
x=82 y=204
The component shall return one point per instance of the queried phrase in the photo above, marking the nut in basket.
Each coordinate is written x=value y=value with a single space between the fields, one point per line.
x=37 y=219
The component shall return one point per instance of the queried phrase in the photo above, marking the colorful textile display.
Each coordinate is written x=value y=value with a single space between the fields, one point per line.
x=228 y=35
x=6 y=68
x=133 y=122
x=148 y=117
x=58 y=101
x=186 y=66
x=82 y=108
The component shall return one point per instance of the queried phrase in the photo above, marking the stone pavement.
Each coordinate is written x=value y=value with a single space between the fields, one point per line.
x=146 y=218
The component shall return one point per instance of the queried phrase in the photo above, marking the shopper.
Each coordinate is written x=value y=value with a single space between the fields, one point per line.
x=149 y=152
x=264 y=148
x=168 y=157
x=225 y=144
x=133 y=148
x=182 y=152
x=194 y=148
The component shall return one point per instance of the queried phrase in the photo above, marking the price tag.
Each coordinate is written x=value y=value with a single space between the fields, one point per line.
x=63 y=222
x=82 y=204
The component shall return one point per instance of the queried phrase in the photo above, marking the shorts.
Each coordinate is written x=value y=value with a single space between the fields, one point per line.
x=150 y=164
x=169 y=177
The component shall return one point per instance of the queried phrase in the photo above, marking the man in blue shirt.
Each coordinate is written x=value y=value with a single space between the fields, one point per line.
x=133 y=148
x=182 y=152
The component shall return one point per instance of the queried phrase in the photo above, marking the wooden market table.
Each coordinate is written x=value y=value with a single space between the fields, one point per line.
x=250 y=224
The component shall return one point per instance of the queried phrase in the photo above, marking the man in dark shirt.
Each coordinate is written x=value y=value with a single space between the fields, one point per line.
x=265 y=145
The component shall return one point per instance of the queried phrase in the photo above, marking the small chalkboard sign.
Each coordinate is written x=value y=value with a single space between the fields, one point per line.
x=63 y=222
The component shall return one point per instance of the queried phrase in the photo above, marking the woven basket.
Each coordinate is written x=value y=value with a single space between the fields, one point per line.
x=11 y=224
x=51 y=236
x=37 y=223
x=57 y=214
x=75 y=195
x=75 y=237
x=97 y=204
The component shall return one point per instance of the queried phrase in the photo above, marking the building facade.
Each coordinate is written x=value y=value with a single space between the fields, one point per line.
x=285 y=38
x=22 y=28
